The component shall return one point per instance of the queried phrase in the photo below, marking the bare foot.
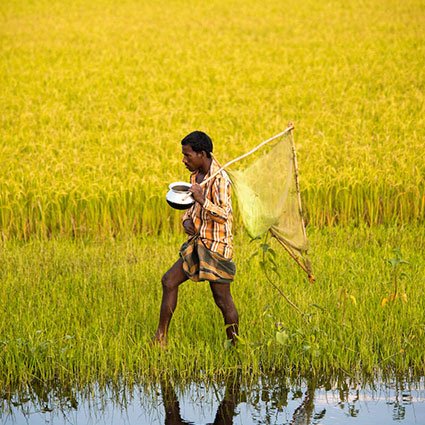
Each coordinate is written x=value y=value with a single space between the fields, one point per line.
x=161 y=342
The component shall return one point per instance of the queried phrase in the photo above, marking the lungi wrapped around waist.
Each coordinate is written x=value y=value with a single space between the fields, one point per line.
x=199 y=263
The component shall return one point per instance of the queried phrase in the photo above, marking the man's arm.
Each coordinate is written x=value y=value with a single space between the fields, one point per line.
x=220 y=206
x=186 y=216
x=188 y=225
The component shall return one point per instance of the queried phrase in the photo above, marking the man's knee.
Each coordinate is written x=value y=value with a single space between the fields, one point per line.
x=222 y=299
x=173 y=277
x=168 y=282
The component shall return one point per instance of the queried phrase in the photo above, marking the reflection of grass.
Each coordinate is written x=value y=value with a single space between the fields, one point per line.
x=88 y=309
x=96 y=96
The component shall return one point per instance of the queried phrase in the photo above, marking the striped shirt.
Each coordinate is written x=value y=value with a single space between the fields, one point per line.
x=213 y=219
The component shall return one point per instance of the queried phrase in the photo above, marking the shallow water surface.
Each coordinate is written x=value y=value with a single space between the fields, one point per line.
x=265 y=401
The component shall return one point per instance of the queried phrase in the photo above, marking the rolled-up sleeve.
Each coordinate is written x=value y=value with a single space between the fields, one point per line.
x=220 y=206
x=186 y=216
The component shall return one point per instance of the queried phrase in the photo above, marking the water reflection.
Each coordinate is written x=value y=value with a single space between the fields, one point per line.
x=276 y=400
x=227 y=409
x=225 y=412
x=304 y=412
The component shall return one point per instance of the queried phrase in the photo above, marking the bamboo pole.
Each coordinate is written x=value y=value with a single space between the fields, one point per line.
x=291 y=127
x=310 y=276
x=215 y=159
x=297 y=183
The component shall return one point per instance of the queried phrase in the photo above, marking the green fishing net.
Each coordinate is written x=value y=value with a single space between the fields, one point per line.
x=265 y=186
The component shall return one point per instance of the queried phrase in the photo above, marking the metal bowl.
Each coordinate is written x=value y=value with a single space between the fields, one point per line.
x=177 y=197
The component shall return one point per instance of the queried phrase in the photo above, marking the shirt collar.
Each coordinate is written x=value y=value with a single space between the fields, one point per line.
x=214 y=167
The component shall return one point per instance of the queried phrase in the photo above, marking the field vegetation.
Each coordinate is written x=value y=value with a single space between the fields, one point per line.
x=87 y=311
x=95 y=97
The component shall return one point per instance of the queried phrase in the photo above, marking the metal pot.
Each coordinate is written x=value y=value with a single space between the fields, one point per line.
x=177 y=197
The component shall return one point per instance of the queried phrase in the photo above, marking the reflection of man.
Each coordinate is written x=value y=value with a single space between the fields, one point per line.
x=225 y=412
x=304 y=412
x=207 y=254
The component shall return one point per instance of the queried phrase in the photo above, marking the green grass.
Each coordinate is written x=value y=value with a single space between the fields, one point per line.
x=94 y=100
x=96 y=96
x=86 y=310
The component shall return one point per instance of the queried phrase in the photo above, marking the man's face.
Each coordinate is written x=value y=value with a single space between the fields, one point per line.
x=191 y=159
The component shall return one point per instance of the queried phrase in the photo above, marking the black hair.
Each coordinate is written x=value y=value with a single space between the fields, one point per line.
x=199 y=141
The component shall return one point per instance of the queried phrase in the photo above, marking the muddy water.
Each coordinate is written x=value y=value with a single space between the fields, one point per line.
x=265 y=401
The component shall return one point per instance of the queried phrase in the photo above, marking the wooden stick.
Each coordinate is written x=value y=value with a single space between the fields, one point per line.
x=215 y=159
x=249 y=153
x=291 y=127
x=297 y=184
x=310 y=276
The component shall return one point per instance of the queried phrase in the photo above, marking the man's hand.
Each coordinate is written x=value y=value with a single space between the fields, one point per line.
x=189 y=227
x=197 y=193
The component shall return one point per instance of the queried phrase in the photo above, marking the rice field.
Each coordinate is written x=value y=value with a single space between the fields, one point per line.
x=85 y=311
x=96 y=96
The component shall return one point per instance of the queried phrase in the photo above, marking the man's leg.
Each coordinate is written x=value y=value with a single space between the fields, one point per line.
x=170 y=285
x=224 y=301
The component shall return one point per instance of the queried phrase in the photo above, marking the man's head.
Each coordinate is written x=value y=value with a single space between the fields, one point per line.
x=196 y=149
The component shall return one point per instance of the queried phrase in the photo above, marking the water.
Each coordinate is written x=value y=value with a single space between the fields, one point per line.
x=265 y=401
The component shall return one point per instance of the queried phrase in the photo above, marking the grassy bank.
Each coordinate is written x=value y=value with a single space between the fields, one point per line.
x=96 y=96
x=86 y=310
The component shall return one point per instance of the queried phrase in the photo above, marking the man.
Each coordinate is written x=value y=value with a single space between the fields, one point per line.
x=207 y=253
